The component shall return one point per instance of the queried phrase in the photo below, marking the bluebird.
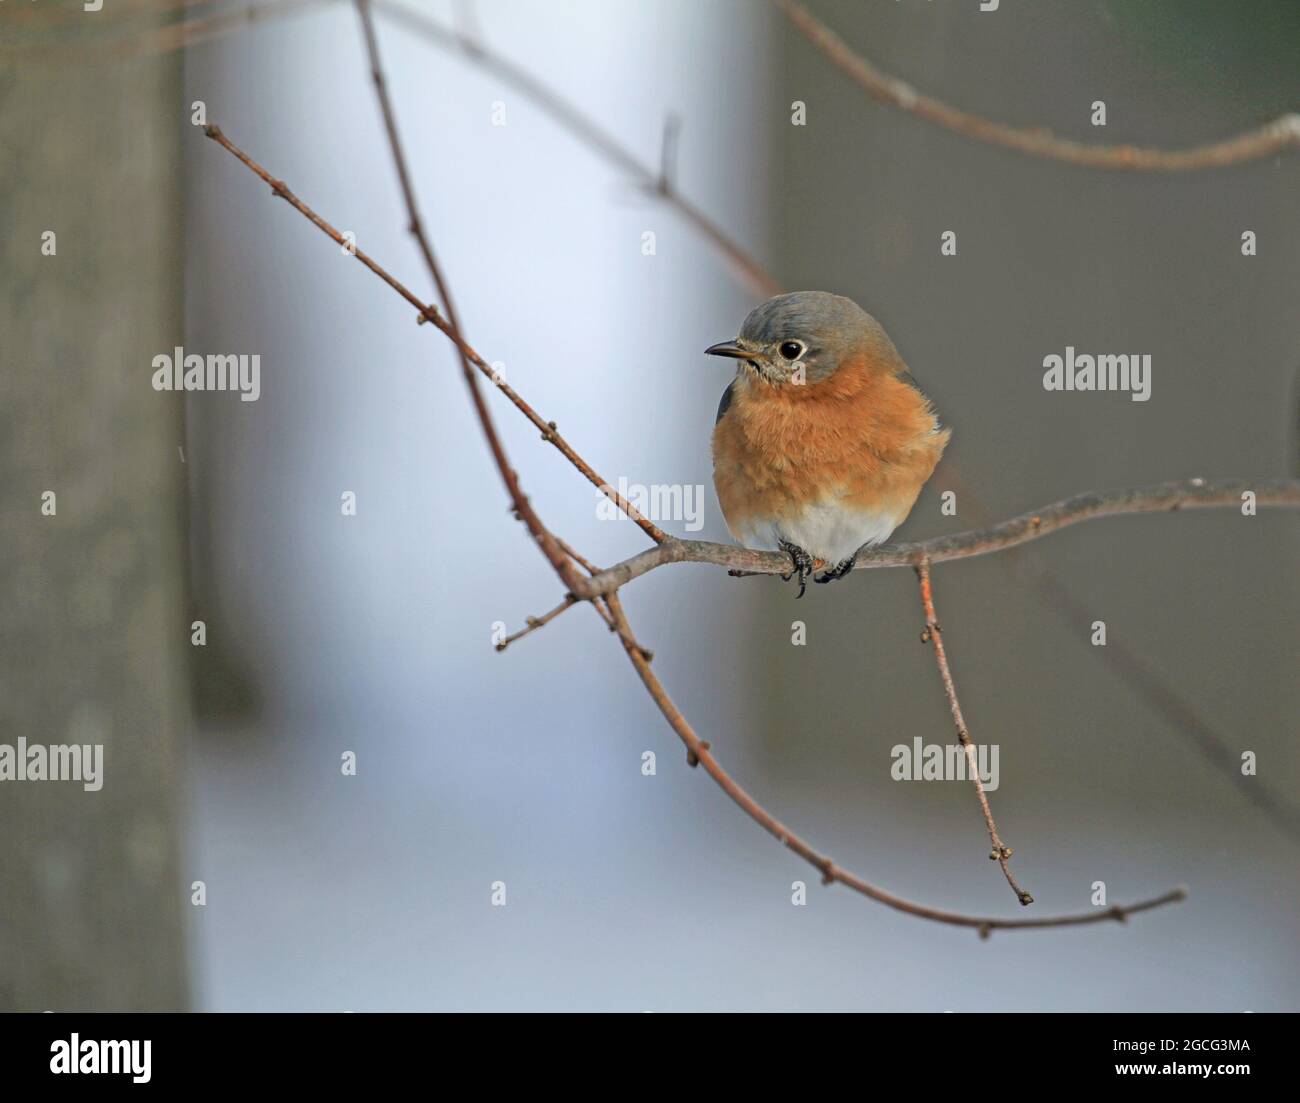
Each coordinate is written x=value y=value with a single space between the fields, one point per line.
x=823 y=440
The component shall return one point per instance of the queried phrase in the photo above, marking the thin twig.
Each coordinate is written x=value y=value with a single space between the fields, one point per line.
x=431 y=314
x=1162 y=497
x=534 y=623
x=933 y=634
x=1275 y=137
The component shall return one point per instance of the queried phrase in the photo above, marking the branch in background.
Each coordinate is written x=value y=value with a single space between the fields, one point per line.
x=1275 y=137
x=1001 y=853
x=698 y=751
x=1162 y=497
x=650 y=178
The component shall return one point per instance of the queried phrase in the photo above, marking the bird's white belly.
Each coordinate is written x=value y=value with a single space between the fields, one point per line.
x=829 y=531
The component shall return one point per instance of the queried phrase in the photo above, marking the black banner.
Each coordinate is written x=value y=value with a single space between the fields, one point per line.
x=338 y=1051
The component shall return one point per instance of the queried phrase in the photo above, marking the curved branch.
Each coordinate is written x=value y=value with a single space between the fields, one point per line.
x=1281 y=134
x=1162 y=497
x=698 y=752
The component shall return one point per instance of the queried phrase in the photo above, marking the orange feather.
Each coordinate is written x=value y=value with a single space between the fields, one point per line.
x=864 y=436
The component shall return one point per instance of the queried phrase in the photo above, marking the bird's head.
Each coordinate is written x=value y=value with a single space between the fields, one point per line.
x=805 y=337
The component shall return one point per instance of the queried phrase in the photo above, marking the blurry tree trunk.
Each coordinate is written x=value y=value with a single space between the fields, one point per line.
x=93 y=619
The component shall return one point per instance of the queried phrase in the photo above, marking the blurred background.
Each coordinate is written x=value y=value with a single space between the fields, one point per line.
x=372 y=634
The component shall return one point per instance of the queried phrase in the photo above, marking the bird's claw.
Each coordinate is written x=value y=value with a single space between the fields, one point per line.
x=839 y=570
x=802 y=563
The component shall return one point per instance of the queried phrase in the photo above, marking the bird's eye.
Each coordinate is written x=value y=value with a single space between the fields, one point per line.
x=791 y=350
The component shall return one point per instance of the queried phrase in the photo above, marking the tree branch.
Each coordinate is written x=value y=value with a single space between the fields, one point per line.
x=933 y=634
x=1160 y=498
x=1275 y=137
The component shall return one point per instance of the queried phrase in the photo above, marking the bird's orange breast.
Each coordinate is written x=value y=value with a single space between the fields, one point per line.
x=863 y=437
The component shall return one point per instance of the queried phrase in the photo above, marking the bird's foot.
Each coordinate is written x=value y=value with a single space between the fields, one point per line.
x=839 y=570
x=803 y=565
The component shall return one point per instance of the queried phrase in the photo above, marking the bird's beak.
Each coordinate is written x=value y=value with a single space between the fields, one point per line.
x=728 y=348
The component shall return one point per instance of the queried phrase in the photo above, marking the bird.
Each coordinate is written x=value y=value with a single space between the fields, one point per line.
x=823 y=439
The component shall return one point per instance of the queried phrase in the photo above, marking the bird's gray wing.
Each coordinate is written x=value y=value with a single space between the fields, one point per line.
x=725 y=404
x=907 y=377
